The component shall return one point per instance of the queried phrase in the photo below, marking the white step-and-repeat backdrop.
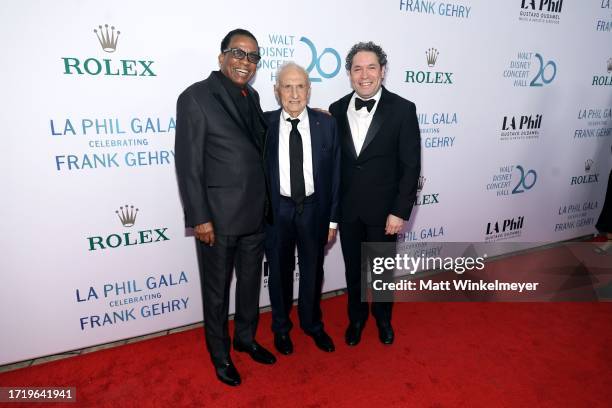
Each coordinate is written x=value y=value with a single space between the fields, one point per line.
x=514 y=101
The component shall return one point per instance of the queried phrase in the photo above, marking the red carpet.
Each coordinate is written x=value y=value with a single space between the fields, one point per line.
x=445 y=355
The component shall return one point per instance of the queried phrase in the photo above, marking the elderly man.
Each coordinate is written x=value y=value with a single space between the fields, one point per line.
x=381 y=163
x=220 y=139
x=303 y=161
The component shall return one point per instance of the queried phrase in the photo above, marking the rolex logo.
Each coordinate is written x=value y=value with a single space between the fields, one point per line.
x=588 y=165
x=108 y=40
x=421 y=183
x=429 y=76
x=609 y=64
x=432 y=56
x=127 y=215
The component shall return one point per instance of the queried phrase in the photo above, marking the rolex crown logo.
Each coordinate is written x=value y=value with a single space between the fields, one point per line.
x=432 y=56
x=421 y=183
x=127 y=215
x=587 y=165
x=609 y=64
x=108 y=39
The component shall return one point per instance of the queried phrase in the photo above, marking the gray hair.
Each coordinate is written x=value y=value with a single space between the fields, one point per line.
x=288 y=65
x=366 y=46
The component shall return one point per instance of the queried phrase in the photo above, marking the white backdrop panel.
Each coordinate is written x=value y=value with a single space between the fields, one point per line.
x=84 y=137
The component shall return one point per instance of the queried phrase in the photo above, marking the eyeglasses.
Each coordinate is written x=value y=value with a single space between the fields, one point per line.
x=240 y=54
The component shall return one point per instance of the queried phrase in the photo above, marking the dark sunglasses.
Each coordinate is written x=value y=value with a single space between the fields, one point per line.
x=240 y=54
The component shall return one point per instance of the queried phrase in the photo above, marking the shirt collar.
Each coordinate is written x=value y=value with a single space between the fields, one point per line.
x=302 y=116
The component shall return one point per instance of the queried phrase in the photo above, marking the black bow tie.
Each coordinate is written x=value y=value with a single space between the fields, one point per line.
x=360 y=103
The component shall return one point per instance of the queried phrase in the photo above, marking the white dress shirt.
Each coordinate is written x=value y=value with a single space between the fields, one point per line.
x=283 y=155
x=360 y=120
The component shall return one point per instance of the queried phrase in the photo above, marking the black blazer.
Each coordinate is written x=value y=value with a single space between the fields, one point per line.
x=326 y=170
x=383 y=179
x=219 y=162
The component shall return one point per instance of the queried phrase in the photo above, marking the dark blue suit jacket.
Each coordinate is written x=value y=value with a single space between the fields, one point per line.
x=326 y=170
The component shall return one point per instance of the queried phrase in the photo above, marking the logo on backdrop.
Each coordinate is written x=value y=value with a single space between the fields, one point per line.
x=109 y=136
x=541 y=11
x=603 y=79
x=107 y=37
x=576 y=215
x=511 y=180
x=320 y=63
x=132 y=299
x=604 y=24
x=430 y=76
x=500 y=230
x=594 y=122
x=427 y=233
x=589 y=176
x=523 y=127
x=425 y=199
x=108 y=41
x=434 y=127
x=436 y=9
x=530 y=69
x=127 y=216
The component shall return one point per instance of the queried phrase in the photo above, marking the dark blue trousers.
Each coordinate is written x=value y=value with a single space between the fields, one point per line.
x=299 y=230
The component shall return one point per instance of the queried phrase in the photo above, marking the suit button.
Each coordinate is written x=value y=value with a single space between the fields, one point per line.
x=358 y=167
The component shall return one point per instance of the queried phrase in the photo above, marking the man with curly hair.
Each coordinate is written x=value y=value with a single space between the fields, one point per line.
x=380 y=166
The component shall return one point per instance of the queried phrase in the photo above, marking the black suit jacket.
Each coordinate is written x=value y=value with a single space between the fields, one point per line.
x=383 y=179
x=219 y=162
x=326 y=170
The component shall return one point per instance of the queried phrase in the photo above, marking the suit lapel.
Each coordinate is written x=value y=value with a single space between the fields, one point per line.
x=225 y=100
x=254 y=103
x=228 y=105
x=272 y=151
x=343 y=123
x=315 y=141
x=379 y=118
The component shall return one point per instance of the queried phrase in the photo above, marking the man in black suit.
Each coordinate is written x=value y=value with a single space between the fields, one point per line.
x=220 y=139
x=381 y=162
x=303 y=160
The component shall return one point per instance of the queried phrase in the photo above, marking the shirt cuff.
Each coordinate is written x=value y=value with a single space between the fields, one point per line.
x=333 y=225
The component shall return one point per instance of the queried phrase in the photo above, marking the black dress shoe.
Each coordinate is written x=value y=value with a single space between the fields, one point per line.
x=385 y=333
x=228 y=374
x=257 y=352
x=323 y=341
x=353 y=333
x=283 y=343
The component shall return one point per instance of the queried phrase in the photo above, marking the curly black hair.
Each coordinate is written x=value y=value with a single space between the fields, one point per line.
x=366 y=46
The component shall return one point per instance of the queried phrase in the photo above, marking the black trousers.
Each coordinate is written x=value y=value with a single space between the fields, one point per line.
x=301 y=230
x=245 y=254
x=352 y=234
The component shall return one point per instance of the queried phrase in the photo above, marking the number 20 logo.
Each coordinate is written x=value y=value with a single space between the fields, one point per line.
x=523 y=184
x=315 y=61
x=540 y=79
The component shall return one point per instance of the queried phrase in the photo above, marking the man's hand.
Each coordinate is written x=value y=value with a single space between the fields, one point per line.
x=394 y=225
x=331 y=235
x=205 y=233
